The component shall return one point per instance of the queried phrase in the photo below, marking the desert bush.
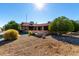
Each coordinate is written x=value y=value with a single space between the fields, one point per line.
x=61 y=25
x=76 y=25
x=30 y=33
x=11 y=34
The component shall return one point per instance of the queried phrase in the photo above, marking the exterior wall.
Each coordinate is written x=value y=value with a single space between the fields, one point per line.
x=0 y=30
x=35 y=28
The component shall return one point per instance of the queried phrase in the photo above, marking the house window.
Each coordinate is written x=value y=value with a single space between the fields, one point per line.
x=45 y=27
x=31 y=28
x=39 y=28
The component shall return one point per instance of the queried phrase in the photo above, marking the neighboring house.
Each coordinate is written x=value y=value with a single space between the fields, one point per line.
x=34 y=27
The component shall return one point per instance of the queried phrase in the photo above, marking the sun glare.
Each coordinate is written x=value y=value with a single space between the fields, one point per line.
x=39 y=6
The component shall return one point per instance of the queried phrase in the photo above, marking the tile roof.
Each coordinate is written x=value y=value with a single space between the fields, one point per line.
x=28 y=24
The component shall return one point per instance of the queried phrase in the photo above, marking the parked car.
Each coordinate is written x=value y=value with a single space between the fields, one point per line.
x=23 y=31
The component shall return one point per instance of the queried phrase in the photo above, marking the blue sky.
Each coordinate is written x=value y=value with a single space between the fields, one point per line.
x=18 y=12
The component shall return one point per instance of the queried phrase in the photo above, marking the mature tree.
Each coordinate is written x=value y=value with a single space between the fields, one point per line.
x=12 y=25
x=61 y=25
x=76 y=25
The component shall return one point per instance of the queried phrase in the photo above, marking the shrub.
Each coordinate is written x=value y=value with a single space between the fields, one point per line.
x=76 y=25
x=11 y=34
x=61 y=25
x=30 y=33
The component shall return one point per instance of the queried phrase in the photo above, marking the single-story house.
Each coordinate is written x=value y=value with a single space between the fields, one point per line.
x=35 y=27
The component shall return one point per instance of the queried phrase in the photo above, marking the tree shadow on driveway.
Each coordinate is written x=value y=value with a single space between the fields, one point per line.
x=68 y=39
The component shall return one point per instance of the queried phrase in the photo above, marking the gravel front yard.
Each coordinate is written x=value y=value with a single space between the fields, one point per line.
x=33 y=46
